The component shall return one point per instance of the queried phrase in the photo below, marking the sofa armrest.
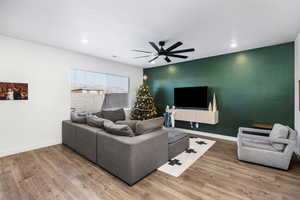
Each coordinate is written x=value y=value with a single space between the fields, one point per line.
x=132 y=158
x=281 y=141
x=290 y=148
x=290 y=145
x=69 y=134
x=81 y=138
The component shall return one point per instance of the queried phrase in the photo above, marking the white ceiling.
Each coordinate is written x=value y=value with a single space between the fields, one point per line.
x=115 y=27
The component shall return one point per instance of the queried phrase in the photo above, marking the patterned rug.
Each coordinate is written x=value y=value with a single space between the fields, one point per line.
x=183 y=161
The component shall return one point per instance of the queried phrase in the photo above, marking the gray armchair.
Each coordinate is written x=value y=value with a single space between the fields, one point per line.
x=259 y=146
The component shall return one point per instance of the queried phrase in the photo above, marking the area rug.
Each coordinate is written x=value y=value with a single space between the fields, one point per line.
x=183 y=161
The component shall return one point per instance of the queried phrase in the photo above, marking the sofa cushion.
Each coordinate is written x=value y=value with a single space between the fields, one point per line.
x=113 y=115
x=258 y=145
x=279 y=131
x=147 y=126
x=174 y=136
x=95 y=121
x=130 y=123
x=78 y=118
x=118 y=129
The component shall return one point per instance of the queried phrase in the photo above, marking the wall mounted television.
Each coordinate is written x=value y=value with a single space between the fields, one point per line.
x=191 y=97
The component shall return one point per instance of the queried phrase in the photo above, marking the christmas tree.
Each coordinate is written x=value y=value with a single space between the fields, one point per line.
x=144 y=107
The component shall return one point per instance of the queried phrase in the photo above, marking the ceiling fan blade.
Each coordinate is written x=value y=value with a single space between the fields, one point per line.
x=182 y=51
x=141 y=51
x=153 y=59
x=174 y=46
x=154 y=46
x=178 y=56
x=167 y=59
x=141 y=57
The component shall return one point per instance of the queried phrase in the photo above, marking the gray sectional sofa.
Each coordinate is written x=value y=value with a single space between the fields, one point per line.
x=129 y=158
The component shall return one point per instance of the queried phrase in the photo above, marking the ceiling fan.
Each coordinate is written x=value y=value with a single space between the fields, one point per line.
x=161 y=51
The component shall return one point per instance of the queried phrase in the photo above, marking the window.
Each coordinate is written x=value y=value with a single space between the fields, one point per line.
x=93 y=91
x=99 y=81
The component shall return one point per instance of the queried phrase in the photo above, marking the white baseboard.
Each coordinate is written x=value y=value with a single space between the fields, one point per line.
x=213 y=135
x=28 y=148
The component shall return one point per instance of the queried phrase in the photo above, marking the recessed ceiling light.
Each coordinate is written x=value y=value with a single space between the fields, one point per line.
x=84 y=41
x=233 y=45
x=152 y=62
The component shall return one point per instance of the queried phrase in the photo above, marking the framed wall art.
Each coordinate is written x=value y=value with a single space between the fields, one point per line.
x=13 y=91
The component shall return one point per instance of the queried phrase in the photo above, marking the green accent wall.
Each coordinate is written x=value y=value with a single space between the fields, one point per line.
x=251 y=86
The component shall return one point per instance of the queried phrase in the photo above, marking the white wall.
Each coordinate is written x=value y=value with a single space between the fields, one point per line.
x=297 y=78
x=35 y=123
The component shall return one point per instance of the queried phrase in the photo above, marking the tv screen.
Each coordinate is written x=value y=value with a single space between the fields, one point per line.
x=191 y=97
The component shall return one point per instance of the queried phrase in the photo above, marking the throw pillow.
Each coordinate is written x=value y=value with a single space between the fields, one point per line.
x=82 y=114
x=279 y=131
x=95 y=121
x=113 y=115
x=130 y=123
x=147 y=126
x=78 y=118
x=99 y=114
x=118 y=129
x=107 y=123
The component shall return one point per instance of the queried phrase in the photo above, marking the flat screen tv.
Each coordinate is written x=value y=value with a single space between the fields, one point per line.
x=191 y=97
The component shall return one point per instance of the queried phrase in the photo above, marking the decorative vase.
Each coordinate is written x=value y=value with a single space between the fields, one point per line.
x=210 y=107
x=167 y=109
x=173 y=117
x=214 y=109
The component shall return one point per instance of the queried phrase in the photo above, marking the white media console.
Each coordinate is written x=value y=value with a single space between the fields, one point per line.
x=200 y=116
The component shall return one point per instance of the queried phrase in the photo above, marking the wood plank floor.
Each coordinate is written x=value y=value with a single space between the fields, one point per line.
x=57 y=172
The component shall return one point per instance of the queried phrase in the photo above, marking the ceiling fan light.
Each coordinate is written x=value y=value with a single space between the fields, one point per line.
x=84 y=40
x=233 y=45
x=161 y=43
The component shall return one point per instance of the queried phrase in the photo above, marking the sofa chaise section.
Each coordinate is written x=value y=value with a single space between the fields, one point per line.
x=132 y=158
